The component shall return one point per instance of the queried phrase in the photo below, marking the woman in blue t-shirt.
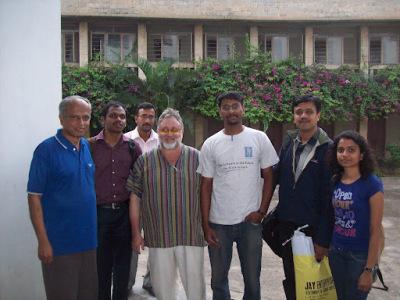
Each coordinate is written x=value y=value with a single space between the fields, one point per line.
x=357 y=201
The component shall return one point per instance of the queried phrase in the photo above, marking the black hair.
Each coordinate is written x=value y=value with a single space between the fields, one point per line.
x=110 y=104
x=367 y=163
x=145 y=105
x=308 y=98
x=230 y=95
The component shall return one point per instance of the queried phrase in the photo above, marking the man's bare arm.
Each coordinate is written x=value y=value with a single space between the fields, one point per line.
x=205 y=201
x=134 y=215
x=45 y=250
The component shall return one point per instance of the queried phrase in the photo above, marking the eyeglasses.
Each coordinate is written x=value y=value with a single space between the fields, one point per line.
x=169 y=131
x=300 y=112
x=75 y=118
x=149 y=117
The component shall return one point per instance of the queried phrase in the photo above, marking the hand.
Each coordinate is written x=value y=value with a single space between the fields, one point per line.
x=254 y=217
x=365 y=282
x=320 y=252
x=211 y=237
x=45 y=252
x=137 y=243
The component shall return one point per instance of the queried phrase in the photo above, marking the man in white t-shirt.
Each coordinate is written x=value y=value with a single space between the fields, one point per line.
x=236 y=190
x=147 y=139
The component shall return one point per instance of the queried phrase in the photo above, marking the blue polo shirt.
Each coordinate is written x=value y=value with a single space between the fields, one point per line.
x=64 y=177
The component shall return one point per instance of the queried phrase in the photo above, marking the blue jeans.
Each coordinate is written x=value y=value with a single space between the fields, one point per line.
x=346 y=267
x=249 y=246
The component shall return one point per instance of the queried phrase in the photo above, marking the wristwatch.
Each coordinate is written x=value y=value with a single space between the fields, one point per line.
x=369 y=270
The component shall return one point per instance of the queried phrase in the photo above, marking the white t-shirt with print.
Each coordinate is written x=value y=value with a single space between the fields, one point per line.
x=235 y=163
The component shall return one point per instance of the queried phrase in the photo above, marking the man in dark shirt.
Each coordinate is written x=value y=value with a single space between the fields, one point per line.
x=113 y=155
x=303 y=177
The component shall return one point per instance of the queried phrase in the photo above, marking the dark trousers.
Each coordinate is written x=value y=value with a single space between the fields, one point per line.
x=71 y=277
x=114 y=252
x=285 y=232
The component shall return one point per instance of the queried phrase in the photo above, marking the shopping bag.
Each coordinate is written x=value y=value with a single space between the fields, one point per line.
x=313 y=280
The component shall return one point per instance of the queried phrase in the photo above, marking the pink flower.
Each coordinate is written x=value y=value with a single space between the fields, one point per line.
x=277 y=89
x=254 y=103
x=216 y=67
x=266 y=97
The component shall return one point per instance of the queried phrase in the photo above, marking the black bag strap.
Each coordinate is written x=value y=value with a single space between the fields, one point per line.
x=380 y=276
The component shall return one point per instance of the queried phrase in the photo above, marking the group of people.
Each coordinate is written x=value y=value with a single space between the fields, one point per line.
x=96 y=203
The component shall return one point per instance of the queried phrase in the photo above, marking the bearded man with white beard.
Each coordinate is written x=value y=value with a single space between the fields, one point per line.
x=164 y=190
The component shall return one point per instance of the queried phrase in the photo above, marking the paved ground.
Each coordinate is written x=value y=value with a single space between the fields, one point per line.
x=272 y=274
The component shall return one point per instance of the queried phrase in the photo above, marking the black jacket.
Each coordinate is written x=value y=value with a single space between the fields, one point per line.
x=307 y=200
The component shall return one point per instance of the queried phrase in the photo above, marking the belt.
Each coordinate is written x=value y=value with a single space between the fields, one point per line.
x=114 y=205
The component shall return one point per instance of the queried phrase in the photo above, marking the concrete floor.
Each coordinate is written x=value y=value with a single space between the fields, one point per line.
x=272 y=273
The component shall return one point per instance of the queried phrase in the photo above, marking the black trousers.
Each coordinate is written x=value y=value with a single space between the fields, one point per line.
x=114 y=252
x=285 y=232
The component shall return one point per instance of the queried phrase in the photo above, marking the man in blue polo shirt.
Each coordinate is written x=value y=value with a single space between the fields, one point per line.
x=62 y=206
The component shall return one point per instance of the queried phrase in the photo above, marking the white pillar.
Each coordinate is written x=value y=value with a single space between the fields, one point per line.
x=142 y=45
x=363 y=127
x=364 y=50
x=198 y=42
x=83 y=44
x=30 y=91
x=309 y=46
x=254 y=37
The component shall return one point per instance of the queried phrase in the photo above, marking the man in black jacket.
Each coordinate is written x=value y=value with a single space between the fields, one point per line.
x=304 y=179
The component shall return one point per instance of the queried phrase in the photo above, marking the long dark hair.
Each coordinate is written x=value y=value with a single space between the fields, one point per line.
x=367 y=164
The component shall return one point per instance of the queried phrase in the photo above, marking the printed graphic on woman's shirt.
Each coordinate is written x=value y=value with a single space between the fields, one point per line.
x=345 y=218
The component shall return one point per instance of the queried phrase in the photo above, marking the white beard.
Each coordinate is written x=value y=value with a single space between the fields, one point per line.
x=170 y=146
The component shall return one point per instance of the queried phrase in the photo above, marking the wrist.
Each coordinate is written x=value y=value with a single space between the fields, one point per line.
x=369 y=269
x=262 y=212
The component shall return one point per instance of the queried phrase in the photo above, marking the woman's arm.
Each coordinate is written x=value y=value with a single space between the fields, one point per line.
x=375 y=240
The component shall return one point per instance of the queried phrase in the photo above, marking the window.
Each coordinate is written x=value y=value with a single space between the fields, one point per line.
x=277 y=45
x=175 y=46
x=328 y=50
x=224 y=47
x=384 y=49
x=70 y=46
x=113 y=47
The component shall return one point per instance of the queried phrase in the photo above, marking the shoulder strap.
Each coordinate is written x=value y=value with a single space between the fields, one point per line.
x=380 y=276
x=132 y=150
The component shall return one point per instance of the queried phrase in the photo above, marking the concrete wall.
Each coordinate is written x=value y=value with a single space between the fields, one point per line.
x=392 y=129
x=238 y=9
x=30 y=89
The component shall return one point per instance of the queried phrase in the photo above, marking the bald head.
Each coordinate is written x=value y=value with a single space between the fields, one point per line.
x=67 y=101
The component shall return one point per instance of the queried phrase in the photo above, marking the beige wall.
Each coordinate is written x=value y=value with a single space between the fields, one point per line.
x=392 y=129
x=344 y=125
x=238 y=9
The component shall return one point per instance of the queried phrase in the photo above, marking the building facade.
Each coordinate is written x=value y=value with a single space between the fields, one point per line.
x=363 y=34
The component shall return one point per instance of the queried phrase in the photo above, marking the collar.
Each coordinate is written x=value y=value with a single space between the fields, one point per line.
x=60 y=138
x=312 y=141
x=100 y=136
x=135 y=135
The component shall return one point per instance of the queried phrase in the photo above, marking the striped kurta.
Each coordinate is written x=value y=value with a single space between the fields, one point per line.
x=170 y=198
